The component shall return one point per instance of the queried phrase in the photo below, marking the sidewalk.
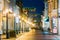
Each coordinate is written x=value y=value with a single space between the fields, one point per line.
x=3 y=37
x=36 y=35
x=20 y=34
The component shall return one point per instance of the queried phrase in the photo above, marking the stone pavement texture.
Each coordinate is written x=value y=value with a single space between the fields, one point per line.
x=36 y=35
x=33 y=35
x=3 y=37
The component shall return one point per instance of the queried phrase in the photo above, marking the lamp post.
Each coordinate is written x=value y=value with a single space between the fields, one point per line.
x=14 y=23
x=7 y=33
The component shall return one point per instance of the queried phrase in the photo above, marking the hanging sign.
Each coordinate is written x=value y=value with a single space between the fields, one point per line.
x=0 y=23
x=1 y=5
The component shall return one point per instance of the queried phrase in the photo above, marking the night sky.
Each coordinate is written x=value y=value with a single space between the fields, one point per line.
x=38 y=4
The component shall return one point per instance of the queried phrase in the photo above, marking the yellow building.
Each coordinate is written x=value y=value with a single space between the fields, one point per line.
x=52 y=11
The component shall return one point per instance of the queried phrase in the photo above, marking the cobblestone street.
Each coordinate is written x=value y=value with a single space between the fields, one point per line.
x=36 y=35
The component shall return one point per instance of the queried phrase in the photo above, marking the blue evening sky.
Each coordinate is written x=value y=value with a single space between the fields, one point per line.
x=38 y=4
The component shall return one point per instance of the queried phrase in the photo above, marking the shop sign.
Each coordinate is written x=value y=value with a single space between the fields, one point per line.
x=58 y=26
x=1 y=5
x=54 y=25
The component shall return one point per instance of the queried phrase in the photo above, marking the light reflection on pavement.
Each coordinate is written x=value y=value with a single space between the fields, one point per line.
x=36 y=35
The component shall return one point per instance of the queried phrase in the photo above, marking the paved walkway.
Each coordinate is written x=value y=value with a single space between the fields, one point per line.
x=36 y=35
x=33 y=35
x=3 y=37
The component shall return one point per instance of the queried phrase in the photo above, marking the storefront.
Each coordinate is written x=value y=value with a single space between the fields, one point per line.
x=58 y=17
x=54 y=25
x=54 y=21
x=58 y=26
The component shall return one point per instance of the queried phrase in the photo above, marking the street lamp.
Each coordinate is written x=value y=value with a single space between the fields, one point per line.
x=7 y=31
x=16 y=23
x=14 y=14
x=6 y=13
x=7 y=34
x=15 y=28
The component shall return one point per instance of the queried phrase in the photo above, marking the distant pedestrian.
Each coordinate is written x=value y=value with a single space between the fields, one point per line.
x=49 y=29
x=55 y=30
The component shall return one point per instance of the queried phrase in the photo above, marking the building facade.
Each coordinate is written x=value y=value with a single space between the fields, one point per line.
x=52 y=13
